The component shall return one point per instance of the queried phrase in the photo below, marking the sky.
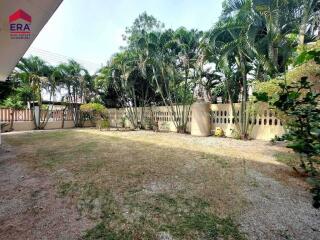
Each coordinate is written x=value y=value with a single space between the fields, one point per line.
x=90 y=31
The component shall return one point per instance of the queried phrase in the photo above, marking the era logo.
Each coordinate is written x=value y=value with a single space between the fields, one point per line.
x=20 y=25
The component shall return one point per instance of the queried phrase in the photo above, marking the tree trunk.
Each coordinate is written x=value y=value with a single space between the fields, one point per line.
x=303 y=25
x=273 y=55
x=273 y=29
x=11 y=119
x=243 y=110
x=36 y=117
x=62 y=118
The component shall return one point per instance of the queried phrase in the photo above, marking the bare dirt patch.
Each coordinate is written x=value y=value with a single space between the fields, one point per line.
x=29 y=207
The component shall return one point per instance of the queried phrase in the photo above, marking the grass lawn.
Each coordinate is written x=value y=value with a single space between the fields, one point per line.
x=145 y=186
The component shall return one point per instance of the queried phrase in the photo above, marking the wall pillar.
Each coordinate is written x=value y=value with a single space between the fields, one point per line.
x=200 y=122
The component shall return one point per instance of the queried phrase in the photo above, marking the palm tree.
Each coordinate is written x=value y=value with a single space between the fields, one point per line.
x=174 y=60
x=129 y=74
x=125 y=80
x=189 y=64
x=275 y=24
x=248 y=31
x=34 y=72
x=309 y=15
x=75 y=79
x=232 y=40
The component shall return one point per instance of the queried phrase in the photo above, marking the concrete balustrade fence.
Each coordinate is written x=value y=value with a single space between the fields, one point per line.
x=18 y=115
x=160 y=115
x=264 y=123
x=201 y=121
x=23 y=119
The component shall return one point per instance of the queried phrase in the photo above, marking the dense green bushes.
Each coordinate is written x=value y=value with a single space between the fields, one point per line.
x=96 y=112
x=299 y=102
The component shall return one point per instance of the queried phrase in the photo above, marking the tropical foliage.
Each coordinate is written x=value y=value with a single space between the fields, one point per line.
x=299 y=101
x=254 y=41
x=251 y=48
x=78 y=85
x=13 y=103
x=33 y=79
x=95 y=112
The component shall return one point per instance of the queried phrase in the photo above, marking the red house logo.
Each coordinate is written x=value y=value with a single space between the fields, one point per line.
x=20 y=25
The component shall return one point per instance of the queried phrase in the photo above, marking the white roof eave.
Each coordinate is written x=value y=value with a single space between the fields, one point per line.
x=11 y=50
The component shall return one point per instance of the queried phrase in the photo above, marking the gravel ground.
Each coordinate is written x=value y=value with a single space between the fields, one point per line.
x=276 y=211
x=257 y=150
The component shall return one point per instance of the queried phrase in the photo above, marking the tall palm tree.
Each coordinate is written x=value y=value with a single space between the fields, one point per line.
x=36 y=73
x=309 y=13
x=189 y=64
x=125 y=80
x=276 y=23
x=74 y=78
x=173 y=59
x=233 y=41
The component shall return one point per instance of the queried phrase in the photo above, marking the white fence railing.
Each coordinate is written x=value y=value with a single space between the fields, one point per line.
x=264 y=122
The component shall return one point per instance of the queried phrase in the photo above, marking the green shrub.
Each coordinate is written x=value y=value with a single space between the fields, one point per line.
x=103 y=124
x=300 y=103
x=94 y=109
x=96 y=112
x=13 y=102
x=123 y=121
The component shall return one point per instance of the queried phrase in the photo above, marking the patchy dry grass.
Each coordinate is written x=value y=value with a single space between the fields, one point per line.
x=289 y=158
x=136 y=189
x=145 y=185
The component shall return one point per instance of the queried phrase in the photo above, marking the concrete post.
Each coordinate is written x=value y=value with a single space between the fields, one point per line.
x=200 y=122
